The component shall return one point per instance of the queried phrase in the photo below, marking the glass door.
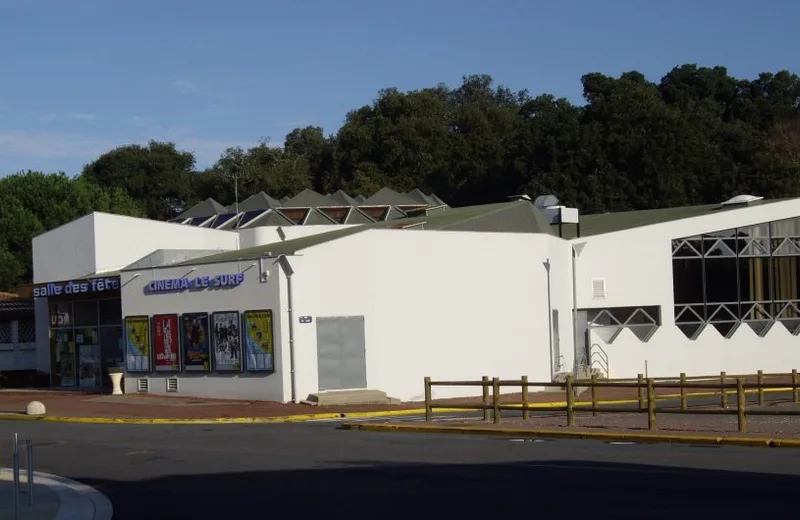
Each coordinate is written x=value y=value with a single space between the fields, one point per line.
x=89 y=363
x=63 y=348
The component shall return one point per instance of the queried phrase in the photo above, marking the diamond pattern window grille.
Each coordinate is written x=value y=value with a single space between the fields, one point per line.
x=608 y=323
x=769 y=240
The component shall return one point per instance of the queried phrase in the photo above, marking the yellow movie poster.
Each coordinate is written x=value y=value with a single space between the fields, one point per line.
x=259 y=341
x=137 y=344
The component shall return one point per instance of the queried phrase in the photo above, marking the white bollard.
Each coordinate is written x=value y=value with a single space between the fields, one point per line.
x=35 y=408
x=116 y=380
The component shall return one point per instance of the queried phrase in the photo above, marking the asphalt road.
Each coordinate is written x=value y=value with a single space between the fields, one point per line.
x=249 y=471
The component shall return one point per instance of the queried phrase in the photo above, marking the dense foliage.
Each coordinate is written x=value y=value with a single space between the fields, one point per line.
x=697 y=136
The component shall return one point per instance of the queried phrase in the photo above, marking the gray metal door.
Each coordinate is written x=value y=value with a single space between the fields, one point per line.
x=341 y=353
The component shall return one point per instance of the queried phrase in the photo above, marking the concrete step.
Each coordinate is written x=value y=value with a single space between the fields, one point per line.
x=347 y=397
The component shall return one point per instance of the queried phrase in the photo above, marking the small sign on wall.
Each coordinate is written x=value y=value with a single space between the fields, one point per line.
x=305 y=319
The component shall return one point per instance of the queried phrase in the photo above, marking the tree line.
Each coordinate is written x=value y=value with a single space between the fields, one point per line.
x=699 y=135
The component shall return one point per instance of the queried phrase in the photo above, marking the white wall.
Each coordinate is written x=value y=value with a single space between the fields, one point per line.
x=123 y=240
x=250 y=295
x=259 y=236
x=637 y=263
x=102 y=242
x=449 y=305
x=66 y=252
x=669 y=352
x=637 y=267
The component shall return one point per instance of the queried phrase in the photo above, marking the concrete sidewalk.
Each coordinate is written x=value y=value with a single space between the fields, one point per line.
x=55 y=498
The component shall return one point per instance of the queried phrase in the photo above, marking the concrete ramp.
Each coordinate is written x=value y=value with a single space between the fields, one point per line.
x=348 y=397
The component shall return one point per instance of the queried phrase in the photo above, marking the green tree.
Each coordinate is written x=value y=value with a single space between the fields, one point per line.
x=33 y=202
x=158 y=175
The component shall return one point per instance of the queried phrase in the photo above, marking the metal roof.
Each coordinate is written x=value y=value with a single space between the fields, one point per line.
x=601 y=223
x=505 y=217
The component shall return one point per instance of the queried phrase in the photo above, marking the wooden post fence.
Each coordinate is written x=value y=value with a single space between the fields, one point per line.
x=428 y=399
x=740 y=405
x=570 y=402
x=496 y=400
x=485 y=384
x=651 y=405
x=525 y=398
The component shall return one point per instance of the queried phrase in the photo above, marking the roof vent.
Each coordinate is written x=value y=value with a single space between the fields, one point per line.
x=519 y=197
x=741 y=200
x=544 y=201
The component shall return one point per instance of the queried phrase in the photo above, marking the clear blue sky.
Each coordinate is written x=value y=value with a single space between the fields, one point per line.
x=82 y=76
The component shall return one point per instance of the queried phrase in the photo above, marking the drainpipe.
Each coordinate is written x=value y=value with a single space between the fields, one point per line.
x=574 y=314
x=550 y=321
x=287 y=269
x=576 y=250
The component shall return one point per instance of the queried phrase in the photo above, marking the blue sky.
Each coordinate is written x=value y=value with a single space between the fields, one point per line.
x=80 y=77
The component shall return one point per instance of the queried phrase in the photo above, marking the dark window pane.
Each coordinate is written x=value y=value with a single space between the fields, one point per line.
x=721 y=280
x=111 y=312
x=687 y=280
x=111 y=346
x=86 y=314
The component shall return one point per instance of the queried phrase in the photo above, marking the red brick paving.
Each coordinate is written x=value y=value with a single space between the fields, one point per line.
x=80 y=404
x=64 y=404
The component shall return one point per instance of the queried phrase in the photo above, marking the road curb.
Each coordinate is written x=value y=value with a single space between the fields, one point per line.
x=77 y=501
x=643 y=438
x=222 y=420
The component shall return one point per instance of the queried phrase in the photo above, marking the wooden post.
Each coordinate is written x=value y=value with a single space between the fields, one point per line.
x=486 y=402
x=723 y=397
x=651 y=404
x=640 y=388
x=570 y=402
x=683 y=390
x=496 y=399
x=740 y=405
x=795 y=393
x=525 y=412
x=594 y=395
x=760 y=375
x=428 y=403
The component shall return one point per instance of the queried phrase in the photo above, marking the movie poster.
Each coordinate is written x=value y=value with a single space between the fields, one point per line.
x=137 y=344
x=195 y=342
x=258 y=341
x=227 y=346
x=165 y=343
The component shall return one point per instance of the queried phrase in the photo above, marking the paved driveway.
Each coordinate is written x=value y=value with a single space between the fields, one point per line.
x=249 y=471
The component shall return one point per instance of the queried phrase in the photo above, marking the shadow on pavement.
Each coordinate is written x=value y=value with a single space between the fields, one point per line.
x=568 y=489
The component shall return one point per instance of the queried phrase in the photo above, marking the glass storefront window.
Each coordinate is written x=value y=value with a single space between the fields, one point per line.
x=85 y=314
x=61 y=314
x=111 y=312
x=86 y=339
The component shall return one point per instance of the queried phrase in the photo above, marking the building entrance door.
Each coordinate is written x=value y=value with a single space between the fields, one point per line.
x=341 y=353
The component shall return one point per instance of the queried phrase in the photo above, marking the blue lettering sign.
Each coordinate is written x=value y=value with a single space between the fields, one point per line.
x=95 y=285
x=221 y=281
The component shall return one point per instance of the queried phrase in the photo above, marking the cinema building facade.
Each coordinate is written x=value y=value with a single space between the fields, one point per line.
x=282 y=300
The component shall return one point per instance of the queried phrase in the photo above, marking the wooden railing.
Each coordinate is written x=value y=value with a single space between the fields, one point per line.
x=722 y=385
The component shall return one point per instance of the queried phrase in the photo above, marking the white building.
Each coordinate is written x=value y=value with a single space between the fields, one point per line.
x=288 y=299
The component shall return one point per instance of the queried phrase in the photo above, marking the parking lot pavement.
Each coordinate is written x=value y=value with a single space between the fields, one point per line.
x=230 y=471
